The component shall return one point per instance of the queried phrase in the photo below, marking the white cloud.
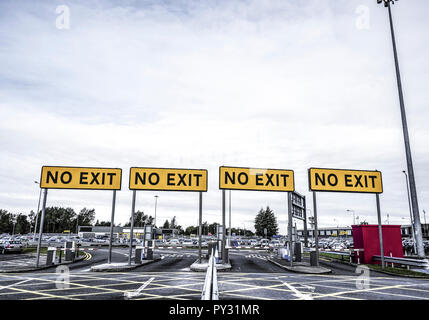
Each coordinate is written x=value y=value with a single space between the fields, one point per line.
x=279 y=84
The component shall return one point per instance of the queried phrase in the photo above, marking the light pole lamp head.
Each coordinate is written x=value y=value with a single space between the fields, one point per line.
x=386 y=2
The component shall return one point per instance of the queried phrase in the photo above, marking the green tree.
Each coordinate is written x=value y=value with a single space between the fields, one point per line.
x=58 y=219
x=6 y=223
x=166 y=224
x=22 y=225
x=266 y=219
x=140 y=220
x=85 y=217
x=102 y=224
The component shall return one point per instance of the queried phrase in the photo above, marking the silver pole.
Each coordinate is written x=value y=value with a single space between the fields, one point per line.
x=112 y=219
x=305 y=224
x=133 y=208
x=200 y=226
x=289 y=209
x=230 y=217
x=316 y=230
x=37 y=214
x=223 y=226
x=411 y=213
x=42 y=221
x=380 y=230
x=410 y=169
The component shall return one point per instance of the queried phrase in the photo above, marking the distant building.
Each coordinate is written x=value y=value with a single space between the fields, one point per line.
x=98 y=231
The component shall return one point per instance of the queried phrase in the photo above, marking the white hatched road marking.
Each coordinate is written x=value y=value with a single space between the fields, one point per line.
x=137 y=292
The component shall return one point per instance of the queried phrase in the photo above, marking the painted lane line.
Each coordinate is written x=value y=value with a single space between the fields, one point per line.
x=137 y=292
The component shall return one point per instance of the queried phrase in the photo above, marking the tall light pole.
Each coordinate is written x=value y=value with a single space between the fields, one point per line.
x=37 y=212
x=354 y=220
x=14 y=220
x=411 y=212
x=410 y=169
x=156 y=201
x=311 y=222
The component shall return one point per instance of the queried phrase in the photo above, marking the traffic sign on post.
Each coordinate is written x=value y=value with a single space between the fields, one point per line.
x=59 y=177
x=166 y=179
x=80 y=178
x=338 y=180
x=343 y=180
x=232 y=178
x=162 y=179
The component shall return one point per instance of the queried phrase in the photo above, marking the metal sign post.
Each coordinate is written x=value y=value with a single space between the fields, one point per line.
x=42 y=221
x=200 y=225
x=109 y=258
x=223 y=225
x=316 y=230
x=380 y=230
x=305 y=224
x=289 y=205
x=133 y=208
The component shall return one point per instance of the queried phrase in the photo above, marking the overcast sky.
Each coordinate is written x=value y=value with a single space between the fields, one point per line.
x=200 y=84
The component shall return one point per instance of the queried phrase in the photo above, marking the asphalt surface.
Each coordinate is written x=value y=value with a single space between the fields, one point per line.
x=252 y=277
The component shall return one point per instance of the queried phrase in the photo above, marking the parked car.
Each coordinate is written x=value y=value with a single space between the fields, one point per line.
x=11 y=246
x=264 y=242
x=274 y=244
x=188 y=242
x=174 y=242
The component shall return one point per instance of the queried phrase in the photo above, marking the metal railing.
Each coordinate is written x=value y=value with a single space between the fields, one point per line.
x=210 y=289
x=409 y=262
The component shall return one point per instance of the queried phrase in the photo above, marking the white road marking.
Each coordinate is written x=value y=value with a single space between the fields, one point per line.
x=297 y=293
x=137 y=292
x=14 y=284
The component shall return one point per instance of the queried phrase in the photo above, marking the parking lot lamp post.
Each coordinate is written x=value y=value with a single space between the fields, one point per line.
x=424 y=215
x=14 y=219
x=37 y=212
x=354 y=219
x=156 y=201
x=410 y=169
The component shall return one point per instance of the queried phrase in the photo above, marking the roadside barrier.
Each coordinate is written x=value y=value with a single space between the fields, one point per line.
x=210 y=288
x=408 y=262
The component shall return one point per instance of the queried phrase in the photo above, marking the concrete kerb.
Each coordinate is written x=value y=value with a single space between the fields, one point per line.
x=79 y=259
x=122 y=266
x=302 y=269
x=202 y=267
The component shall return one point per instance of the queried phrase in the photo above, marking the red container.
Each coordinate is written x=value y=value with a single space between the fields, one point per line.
x=366 y=237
